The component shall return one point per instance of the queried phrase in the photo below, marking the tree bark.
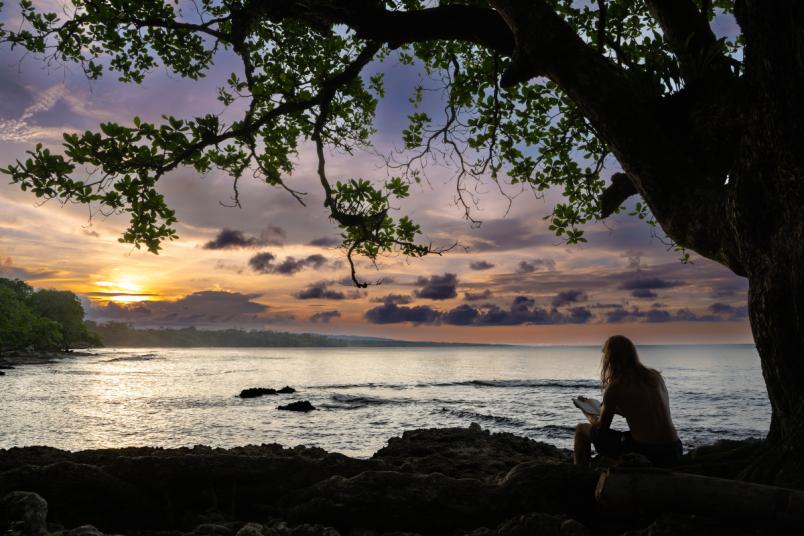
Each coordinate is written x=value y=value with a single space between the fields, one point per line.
x=651 y=491
x=767 y=198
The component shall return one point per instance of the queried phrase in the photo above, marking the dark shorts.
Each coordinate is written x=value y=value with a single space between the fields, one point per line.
x=614 y=444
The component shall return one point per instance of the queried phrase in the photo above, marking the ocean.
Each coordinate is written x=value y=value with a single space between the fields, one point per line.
x=183 y=397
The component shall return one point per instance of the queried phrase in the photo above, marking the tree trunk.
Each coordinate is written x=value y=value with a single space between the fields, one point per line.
x=652 y=492
x=768 y=218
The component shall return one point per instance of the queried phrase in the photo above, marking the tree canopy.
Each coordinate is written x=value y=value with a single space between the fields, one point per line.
x=40 y=319
x=603 y=64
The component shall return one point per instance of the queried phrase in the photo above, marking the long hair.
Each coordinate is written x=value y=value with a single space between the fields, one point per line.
x=620 y=361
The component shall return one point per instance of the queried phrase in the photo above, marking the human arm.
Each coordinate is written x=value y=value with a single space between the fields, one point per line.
x=607 y=410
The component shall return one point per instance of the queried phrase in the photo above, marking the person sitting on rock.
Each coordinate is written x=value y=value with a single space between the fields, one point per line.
x=638 y=393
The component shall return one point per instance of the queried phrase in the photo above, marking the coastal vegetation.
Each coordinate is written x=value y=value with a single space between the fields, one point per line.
x=41 y=320
x=115 y=334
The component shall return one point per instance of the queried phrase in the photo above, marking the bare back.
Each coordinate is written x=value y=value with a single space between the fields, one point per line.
x=645 y=406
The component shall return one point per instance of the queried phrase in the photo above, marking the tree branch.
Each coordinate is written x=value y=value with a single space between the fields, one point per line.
x=687 y=203
x=687 y=31
x=620 y=189
x=370 y=20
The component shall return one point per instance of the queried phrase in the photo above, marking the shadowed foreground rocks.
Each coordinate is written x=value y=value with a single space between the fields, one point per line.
x=439 y=481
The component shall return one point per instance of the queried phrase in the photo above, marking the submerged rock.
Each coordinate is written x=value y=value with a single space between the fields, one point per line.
x=302 y=405
x=286 y=390
x=254 y=392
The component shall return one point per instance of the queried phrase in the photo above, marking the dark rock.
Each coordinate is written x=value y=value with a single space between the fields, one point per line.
x=394 y=501
x=254 y=392
x=302 y=405
x=23 y=511
x=550 y=488
x=2 y=373
x=464 y=452
x=286 y=390
x=84 y=530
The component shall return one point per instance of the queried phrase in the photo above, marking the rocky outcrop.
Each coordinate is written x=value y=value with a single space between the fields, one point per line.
x=254 y=392
x=302 y=405
x=427 y=482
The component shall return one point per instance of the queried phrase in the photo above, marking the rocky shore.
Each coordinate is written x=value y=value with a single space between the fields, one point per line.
x=458 y=481
x=8 y=361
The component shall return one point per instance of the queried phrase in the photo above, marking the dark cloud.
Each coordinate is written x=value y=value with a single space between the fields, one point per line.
x=569 y=296
x=523 y=310
x=730 y=287
x=265 y=263
x=644 y=293
x=729 y=312
x=232 y=239
x=325 y=241
x=321 y=291
x=649 y=283
x=462 y=315
x=658 y=315
x=477 y=296
x=235 y=239
x=292 y=265
x=481 y=265
x=391 y=313
x=262 y=262
x=398 y=299
x=437 y=287
x=198 y=309
x=9 y=271
x=324 y=317
x=528 y=267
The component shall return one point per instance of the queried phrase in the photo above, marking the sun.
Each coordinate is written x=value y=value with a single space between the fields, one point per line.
x=122 y=290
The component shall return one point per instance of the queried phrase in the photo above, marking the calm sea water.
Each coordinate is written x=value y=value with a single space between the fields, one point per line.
x=178 y=397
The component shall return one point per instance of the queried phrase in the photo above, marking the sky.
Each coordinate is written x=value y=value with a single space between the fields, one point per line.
x=273 y=264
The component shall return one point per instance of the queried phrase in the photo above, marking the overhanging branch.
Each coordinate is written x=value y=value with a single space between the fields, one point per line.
x=620 y=189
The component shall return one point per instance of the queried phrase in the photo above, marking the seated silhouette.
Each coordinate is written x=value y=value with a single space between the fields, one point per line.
x=639 y=394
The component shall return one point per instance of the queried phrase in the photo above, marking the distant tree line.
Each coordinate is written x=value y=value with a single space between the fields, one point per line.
x=44 y=319
x=123 y=335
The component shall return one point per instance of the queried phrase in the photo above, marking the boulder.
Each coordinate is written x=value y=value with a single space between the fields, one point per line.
x=301 y=405
x=395 y=501
x=286 y=390
x=254 y=392
x=23 y=511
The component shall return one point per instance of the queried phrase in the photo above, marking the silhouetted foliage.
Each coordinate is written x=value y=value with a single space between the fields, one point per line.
x=41 y=319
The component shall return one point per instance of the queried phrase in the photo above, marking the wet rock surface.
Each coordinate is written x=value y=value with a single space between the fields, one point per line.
x=254 y=392
x=428 y=482
x=302 y=405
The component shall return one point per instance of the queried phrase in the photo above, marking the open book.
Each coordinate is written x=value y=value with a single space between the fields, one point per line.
x=589 y=406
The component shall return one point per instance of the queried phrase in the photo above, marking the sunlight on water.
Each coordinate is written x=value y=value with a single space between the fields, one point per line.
x=176 y=397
